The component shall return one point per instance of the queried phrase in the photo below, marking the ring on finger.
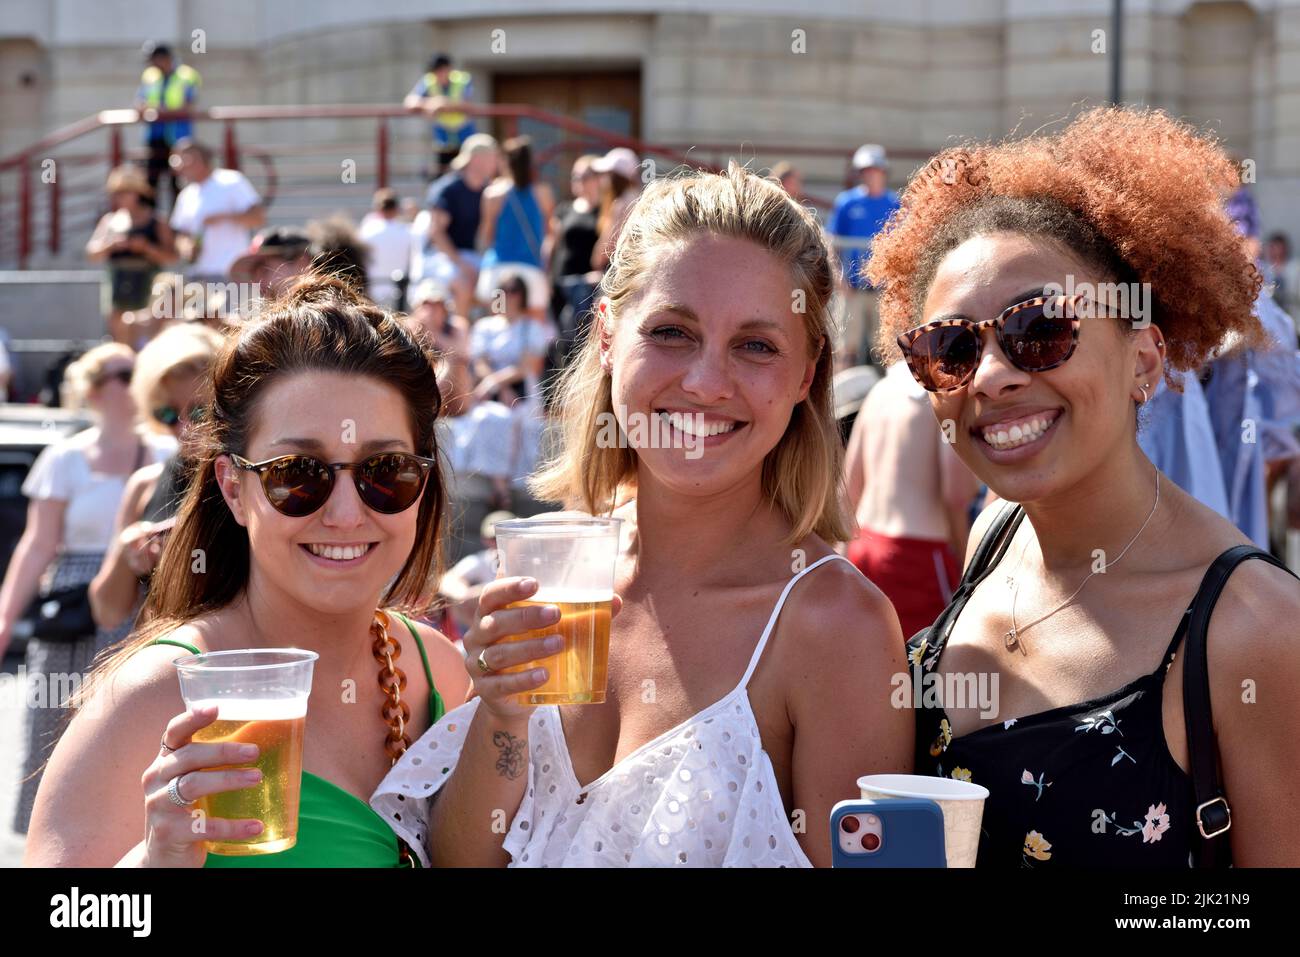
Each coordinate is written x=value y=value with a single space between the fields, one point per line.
x=483 y=666
x=174 y=792
x=166 y=748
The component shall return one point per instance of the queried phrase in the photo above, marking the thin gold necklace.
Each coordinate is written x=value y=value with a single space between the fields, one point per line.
x=1012 y=637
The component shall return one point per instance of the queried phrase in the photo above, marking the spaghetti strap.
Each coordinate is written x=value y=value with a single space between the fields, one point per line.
x=179 y=644
x=437 y=708
x=771 y=621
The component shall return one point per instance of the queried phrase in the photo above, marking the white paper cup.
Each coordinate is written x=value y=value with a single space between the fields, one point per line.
x=962 y=804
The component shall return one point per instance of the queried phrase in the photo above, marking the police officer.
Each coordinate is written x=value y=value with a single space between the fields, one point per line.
x=442 y=87
x=165 y=86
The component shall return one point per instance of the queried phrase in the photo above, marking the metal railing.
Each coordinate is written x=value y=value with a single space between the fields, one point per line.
x=49 y=192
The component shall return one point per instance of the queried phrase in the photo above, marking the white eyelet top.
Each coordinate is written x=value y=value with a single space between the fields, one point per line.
x=702 y=794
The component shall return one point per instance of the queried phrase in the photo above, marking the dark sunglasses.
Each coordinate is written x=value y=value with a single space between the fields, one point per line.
x=297 y=485
x=1035 y=335
x=121 y=375
x=169 y=415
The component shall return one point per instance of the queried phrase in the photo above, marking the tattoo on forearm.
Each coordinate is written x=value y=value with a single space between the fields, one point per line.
x=513 y=757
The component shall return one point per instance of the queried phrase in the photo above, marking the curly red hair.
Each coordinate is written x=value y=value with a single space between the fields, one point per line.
x=1145 y=193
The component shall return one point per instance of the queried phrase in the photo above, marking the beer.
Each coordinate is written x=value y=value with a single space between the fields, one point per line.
x=277 y=727
x=575 y=674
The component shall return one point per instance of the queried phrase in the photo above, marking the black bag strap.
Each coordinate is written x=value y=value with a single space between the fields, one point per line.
x=986 y=557
x=1213 y=815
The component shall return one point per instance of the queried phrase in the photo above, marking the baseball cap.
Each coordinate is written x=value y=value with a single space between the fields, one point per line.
x=473 y=145
x=870 y=155
x=620 y=160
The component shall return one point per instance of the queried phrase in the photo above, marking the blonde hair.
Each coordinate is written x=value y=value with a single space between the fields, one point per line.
x=79 y=377
x=801 y=475
x=191 y=348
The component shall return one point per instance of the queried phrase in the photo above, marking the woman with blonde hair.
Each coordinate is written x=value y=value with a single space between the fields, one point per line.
x=169 y=387
x=73 y=490
x=749 y=670
x=136 y=242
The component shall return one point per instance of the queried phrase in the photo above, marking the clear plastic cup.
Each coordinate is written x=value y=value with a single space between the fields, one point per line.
x=962 y=804
x=261 y=698
x=573 y=561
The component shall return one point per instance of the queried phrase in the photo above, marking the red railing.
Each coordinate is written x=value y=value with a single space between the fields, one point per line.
x=71 y=205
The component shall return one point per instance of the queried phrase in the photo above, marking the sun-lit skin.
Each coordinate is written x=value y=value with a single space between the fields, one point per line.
x=688 y=343
x=1092 y=394
x=318 y=407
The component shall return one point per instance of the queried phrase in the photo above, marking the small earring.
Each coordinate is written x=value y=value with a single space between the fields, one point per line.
x=1145 y=397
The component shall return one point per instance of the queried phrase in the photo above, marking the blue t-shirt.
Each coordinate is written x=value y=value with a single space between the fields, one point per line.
x=860 y=216
x=450 y=194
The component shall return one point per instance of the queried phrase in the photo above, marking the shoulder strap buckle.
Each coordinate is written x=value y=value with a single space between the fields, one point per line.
x=1219 y=819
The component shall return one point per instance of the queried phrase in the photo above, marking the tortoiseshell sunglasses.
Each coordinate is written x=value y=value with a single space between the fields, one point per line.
x=1035 y=335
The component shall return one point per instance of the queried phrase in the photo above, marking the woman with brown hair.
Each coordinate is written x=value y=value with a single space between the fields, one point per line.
x=1039 y=289
x=314 y=514
x=750 y=667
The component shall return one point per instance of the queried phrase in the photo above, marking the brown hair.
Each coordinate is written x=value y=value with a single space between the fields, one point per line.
x=1132 y=192
x=519 y=159
x=801 y=475
x=318 y=324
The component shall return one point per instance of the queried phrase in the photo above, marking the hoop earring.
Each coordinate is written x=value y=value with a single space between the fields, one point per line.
x=1145 y=398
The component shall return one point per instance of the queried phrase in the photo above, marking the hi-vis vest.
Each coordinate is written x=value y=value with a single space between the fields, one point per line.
x=456 y=84
x=172 y=94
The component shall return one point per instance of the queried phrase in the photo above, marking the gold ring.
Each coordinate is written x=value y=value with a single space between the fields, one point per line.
x=483 y=666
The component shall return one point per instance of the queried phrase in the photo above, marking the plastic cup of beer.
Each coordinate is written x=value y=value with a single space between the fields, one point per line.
x=961 y=802
x=261 y=698
x=572 y=560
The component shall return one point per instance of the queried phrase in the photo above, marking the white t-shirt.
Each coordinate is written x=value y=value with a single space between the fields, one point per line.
x=225 y=191
x=481 y=441
x=63 y=472
x=504 y=343
x=390 y=251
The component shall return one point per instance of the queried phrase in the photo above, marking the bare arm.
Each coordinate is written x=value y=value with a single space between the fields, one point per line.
x=1254 y=663
x=843 y=671
x=492 y=773
x=35 y=550
x=114 y=590
x=163 y=252
x=855 y=460
x=252 y=218
x=100 y=245
x=438 y=224
x=489 y=207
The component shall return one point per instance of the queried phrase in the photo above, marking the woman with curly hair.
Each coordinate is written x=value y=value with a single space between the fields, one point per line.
x=1039 y=289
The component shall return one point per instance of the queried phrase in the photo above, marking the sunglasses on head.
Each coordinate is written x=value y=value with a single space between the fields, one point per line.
x=1035 y=335
x=297 y=485
x=121 y=375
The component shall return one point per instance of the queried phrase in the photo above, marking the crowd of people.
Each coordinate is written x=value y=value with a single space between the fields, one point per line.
x=474 y=340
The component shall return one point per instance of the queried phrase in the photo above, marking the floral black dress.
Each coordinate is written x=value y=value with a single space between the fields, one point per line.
x=1084 y=785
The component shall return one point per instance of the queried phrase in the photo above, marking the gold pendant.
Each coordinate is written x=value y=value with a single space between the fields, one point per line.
x=1011 y=639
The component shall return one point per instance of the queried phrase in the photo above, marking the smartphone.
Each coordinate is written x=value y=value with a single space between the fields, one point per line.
x=901 y=832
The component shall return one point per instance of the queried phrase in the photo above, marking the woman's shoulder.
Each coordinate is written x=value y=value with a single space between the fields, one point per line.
x=835 y=595
x=446 y=661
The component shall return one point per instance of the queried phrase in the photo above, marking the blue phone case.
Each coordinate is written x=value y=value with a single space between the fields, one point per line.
x=900 y=832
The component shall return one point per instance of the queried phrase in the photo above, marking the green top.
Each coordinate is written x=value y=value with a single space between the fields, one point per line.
x=335 y=828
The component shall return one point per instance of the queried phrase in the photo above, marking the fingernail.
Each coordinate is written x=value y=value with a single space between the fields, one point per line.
x=539 y=674
x=551 y=613
x=247 y=751
x=252 y=777
x=553 y=643
x=254 y=828
x=528 y=584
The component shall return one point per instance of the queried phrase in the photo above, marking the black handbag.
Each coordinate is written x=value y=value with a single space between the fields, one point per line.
x=62 y=615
